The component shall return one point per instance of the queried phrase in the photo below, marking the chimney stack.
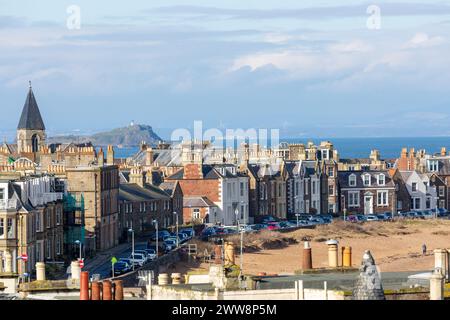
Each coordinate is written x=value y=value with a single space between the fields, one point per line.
x=110 y=155
x=101 y=158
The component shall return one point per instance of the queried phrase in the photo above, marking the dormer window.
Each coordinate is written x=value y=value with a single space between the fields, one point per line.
x=433 y=165
x=366 y=180
x=352 y=180
x=381 y=180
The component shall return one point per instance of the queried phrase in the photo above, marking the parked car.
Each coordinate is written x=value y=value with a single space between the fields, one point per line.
x=170 y=244
x=121 y=267
x=442 y=212
x=362 y=217
x=351 y=218
x=428 y=214
x=151 y=253
x=371 y=217
x=138 y=258
x=127 y=261
x=161 y=235
x=189 y=232
x=273 y=226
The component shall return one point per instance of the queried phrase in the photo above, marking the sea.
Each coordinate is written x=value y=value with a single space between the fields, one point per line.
x=354 y=147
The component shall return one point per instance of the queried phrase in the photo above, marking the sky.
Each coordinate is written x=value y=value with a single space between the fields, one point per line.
x=309 y=68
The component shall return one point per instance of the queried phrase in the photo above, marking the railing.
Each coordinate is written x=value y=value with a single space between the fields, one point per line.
x=8 y=204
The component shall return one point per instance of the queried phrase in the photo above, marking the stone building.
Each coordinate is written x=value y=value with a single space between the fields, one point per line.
x=267 y=190
x=140 y=205
x=367 y=192
x=31 y=222
x=99 y=185
x=222 y=184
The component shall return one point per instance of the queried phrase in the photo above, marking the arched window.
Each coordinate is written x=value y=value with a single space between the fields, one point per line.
x=35 y=143
x=352 y=180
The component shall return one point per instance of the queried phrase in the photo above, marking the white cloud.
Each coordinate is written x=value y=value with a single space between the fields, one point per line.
x=422 y=39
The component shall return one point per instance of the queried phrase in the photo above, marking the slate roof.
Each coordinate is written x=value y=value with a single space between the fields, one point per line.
x=197 y=202
x=134 y=192
x=209 y=172
x=168 y=186
x=292 y=168
x=261 y=171
x=343 y=177
x=31 y=117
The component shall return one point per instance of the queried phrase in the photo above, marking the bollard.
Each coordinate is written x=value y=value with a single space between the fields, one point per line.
x=440 y=261
x=229 y=254
x=40 y=271
x=217 y=254
x=342 y=256
x=84 y=285
x=437 y=285
x=347 y=257
x=332 y=253
x=176 y=278
x=163 y=279
x=118 y=290
x=95 y=291
x=307 y=257
x=75 y=270
x=107 y=290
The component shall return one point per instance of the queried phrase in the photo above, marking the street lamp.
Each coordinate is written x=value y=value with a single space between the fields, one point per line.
x=236 y=212
x=176 y=217
x=132 y=244
x=297 y=215
x=343 y=206
x=155 y=222
x=78 y=242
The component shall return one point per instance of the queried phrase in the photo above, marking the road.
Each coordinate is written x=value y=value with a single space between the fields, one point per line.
x=104 y=270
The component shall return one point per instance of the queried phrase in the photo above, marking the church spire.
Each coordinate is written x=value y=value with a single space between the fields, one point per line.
x=31 y=117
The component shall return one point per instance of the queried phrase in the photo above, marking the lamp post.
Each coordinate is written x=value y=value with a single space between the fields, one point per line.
x=297 y=215
x=78 y=242
x=155 y=222
x=176 y=221
x=343 y=206
x=132 y=244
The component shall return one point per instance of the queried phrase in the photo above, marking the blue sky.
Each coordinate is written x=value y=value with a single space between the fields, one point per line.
x=309 y=68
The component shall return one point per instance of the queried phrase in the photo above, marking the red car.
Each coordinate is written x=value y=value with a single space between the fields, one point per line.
x=273 y=226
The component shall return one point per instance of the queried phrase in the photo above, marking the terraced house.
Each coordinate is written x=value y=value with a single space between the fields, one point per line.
x=31 y=223
x=367 y=192
x=141 y=203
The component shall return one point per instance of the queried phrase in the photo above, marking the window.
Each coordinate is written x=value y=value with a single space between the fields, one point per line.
x=415 y=203
x=331 y=190
x=48 y=218
x=331 y=172
x=49 y=248
x=442 y=204
x=382 y=198
x=433 y=165
x=242 y=189
x=352 y=180
x=441 y=191
x=58 y=216
x=196 y=214
x=2 y=194
x=2 y=227
x=38 y=222
x=10 y=228
x=366 y=179
x=353 y=199
x=38 y=252
x=58 y=245
x=428 y=203
x=414 y=187
x=381 y=180
x=313 y=190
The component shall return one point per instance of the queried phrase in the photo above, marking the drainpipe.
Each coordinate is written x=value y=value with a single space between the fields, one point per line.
x=95 y=212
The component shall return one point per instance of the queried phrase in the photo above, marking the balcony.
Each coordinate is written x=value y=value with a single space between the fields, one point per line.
x=8 y=204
